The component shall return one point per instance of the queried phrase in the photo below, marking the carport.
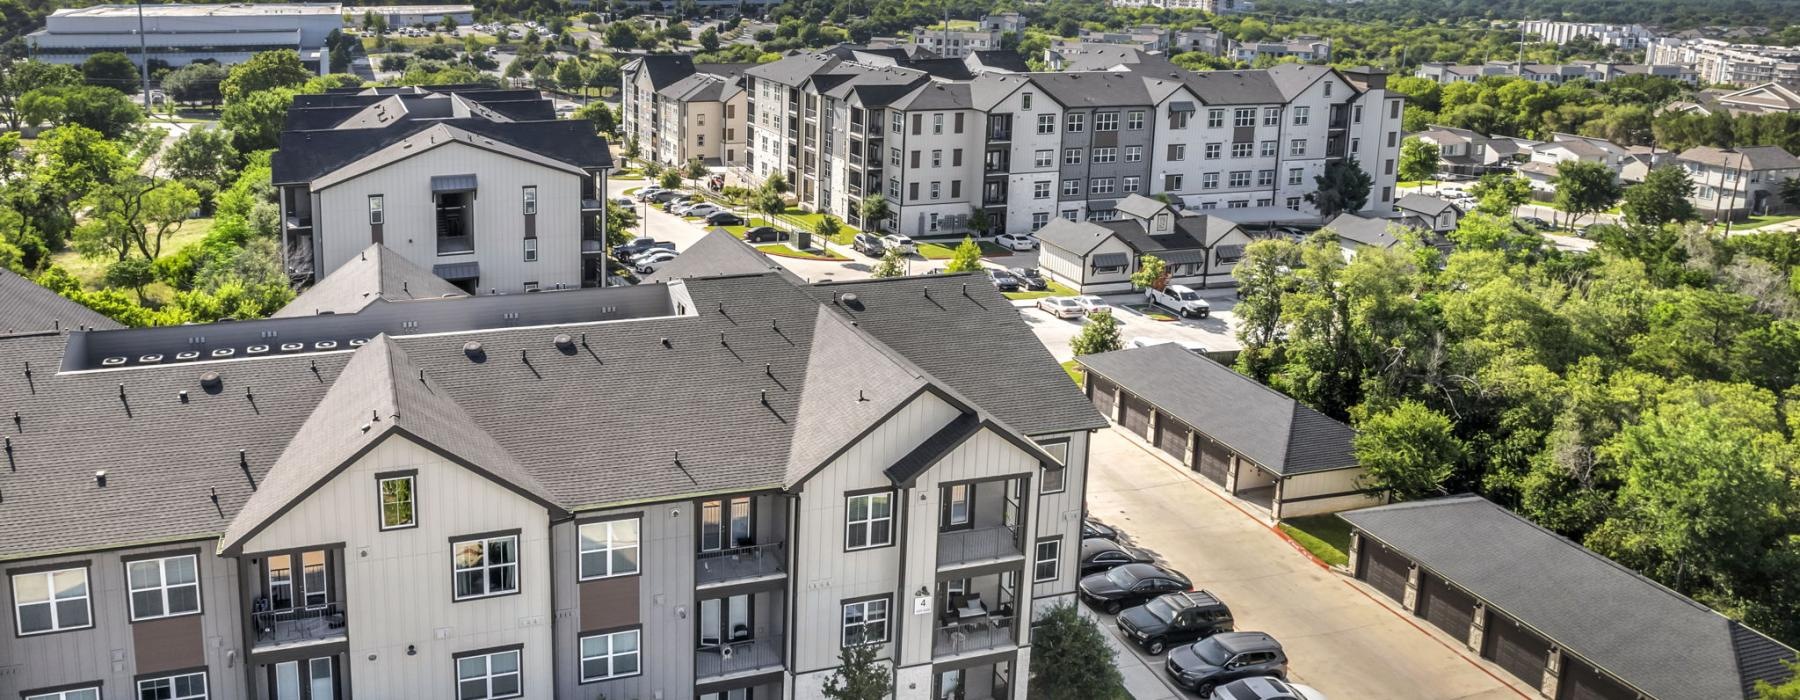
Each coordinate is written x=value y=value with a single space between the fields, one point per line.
x=1551 y=613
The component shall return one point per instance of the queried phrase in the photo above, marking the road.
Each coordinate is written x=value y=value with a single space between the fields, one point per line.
x=1338 y=638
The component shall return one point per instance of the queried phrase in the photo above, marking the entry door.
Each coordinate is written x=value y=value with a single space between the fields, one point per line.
x=297 y=580
x=725 y=620
x=950 y=685
x=959 y=507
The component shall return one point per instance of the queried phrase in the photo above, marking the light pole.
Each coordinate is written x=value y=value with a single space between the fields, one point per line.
x=144 y=56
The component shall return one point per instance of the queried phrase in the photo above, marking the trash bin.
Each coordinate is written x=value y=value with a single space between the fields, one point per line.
x=803 y=240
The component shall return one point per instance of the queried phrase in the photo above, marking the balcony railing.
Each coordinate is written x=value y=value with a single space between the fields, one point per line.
x=745 y=657
x=591 y=204
x=972 y=635
x=295 y=221
x=308 y=625
x=759 y=561
x=960 y=547
x=449 y=245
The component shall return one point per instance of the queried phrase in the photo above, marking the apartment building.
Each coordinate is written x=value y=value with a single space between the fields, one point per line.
x=1305 y=48
x=676 y=111
x=1554 y=74
x=1719 y=62
x=181 y=33
x=483 y=187
x=1217 y=7
x=1630 y=37
x=1731 y=183
x=1541 y=168
x=1767 y=98
x=423 y=498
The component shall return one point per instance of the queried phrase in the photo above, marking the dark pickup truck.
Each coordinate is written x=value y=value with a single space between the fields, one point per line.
x=638 y=246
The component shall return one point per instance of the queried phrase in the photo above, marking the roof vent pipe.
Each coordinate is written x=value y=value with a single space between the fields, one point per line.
x=100 y=478
x=211 y=381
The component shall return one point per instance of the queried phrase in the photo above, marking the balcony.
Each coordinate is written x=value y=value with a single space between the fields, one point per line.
x=313 y=624
x=753 y=563
x=299 y=221
x=591 y=205
x=978 y=635
x=984 y=544
x=741 y=658
x=979 y=523
x=976 y=614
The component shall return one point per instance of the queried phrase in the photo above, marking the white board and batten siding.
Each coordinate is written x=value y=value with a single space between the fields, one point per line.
x=1339 y=481
x=665 y=605
x=399 y=588
x=1059 y=514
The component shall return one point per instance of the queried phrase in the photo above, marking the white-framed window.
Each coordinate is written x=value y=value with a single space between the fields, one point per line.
x=1043 y=158
x=1242 y=150
x=1261 y=202
x=376 y=215
x=531 y=250
x=530 y=199
x=937 y=189
x=1071 y=156
x=1302 y=115
x=488 y=676
x=1106 y=121
x=1040 y=189
x=1071 y=188
x=1179 y=120
x=1177 y=151
x=937 y=157
x=1209 y=181
x=1240 y=178
x=1265 y=178
x=610 y=655
x=1271 y=116
x=1238 y=204
x=1100 y=185
x=1215 y=119
x=1297 y=147
x=1214 y=150
x=1077 y=123
x=1025 y=100
x=1327 y=88
x=898 y=123
x=191 y=686
x=1268 y=148
x=608 y=548
x=865 y=622
x=1046 y=124
x=1293 y=203
x=1172 y=182
x=869 y=520
x=398 y=509
x=1134 y=120
x=70 y=694
x=1048 y=561
x=1295 y=176
x=1356 y=114
x=1244 y=116
x=1132 y=183
x=1039 y=219
x=485 y=566
x=1134 y=154
x=51 y=601
x=937 y=123
x=894 y=157
x=1071 y=214
x=164 y=587
x=1105 y=155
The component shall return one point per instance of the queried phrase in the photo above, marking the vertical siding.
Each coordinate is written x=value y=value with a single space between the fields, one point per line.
x=1060 y=514
x=665 y=607
x=398 y=583
x=410 y=226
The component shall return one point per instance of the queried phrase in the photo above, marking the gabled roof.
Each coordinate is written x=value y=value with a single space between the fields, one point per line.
x=433 y=137
x=1140 y=206
x=1748 y=158
x=1255 y=421
x=1233 y=87
x=1424 y=204
x=27 y=307
x=663 y=69
x=377 y=273
x=380 y=393
x=1078 y=237
x=1294 y=78
x=1662 y=643
x=936 y=95
x=1362 y=230
x=717 y=253
x=1767 y=97
x=795 y=69
x=1094 y=88
x=304 y=156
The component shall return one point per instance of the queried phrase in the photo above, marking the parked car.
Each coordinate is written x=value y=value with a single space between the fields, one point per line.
x=1176 y=618
x=1535 y=222
x=868 y=244
x=665 y=196
x=640 y=257
x=1223 y=658
x=724 y=218
x=765 y=234
x=1091 y=528
x=624 y=201
x=637 y=246
x=1017 y=241
x=1099 y=554
x=684 y=205
x=1266 y=688
x=649 y=192
x=1179 y=299
x=703 y=209
x=648 y=263
x=1061 y=307
x=1005 y=281
x=900 y=243
x=1030 y=277
x=1091 y=303
x=1129 y=586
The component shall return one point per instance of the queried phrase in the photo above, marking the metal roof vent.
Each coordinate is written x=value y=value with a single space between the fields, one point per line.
x=474 y=351
x=224 y=352
x=257 y=349
x=325 y=345
x=211 y=380
x=358 y=342
x=100 y=478
x=150 y=359
x=564 y=341
x=112 y=362
x=186 y=355
x=293 y=347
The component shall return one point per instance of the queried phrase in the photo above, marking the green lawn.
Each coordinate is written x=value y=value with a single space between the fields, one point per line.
x=739 y=231
x=1074 y=371
x=91 y=270
x=1055 y=290
x=1756 y=222
x=938 y=251
x=1416 y=183
x=800 y=218
x=786 y=251
x=1326 y=536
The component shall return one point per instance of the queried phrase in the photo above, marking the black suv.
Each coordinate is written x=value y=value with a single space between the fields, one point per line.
x=868 y=244
x=1177 y=618
x=1100 y=554
x=1130 y=585
x=1222 y=658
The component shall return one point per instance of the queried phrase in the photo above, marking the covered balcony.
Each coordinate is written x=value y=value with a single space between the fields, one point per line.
x=990 y=681
x=976 y=614
x=980 y=523
x=741 y=540
x=296 y=599
x=739 y=636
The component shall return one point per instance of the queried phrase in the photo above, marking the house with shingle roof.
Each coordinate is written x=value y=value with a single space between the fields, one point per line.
x=1199 y=250
x=1739 y=182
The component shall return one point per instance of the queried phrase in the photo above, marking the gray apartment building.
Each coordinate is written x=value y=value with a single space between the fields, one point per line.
x=703 y=487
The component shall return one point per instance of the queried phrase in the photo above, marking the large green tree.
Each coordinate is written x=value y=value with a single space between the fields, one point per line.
x=1081 y=661
x=195 y=82
x=1584 y=187
x=266 y=71
x=1418 y=159
x=1662 y=198
x=20 y=77
x=860 y=674
x=111 y=69
x=1342 y=187
x=1408 y=451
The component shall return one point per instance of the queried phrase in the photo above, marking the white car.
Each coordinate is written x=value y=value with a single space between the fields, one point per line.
x=1062 y=307
x=1090 y=303
x=653 y=252
x=895 y=241
x=648 y=262
x=1017 y=241
x=702 y=209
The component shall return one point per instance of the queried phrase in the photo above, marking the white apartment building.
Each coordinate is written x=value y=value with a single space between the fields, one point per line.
x=1719 y=62
x=180 y=34
x=676 y=111
x=1622 y=36
x=1305 y=48
x=1217 y=7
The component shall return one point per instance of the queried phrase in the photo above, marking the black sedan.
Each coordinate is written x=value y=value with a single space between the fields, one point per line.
x=1030 y=277
x=1129 y=585
x=1005 y=281
x=1091 y=528
x=1099 y=555
x=764 y=234
x=724 y=218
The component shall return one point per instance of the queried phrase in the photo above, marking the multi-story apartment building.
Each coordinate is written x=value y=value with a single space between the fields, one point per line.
x=1217 y=7
x=951 y=41
x=1630 y=37
x=1719 y=62
x=484 y=187
x=1729 y=183
x=1555 y=74
x=1305 y=48
x=676 y=111
x=424 y=499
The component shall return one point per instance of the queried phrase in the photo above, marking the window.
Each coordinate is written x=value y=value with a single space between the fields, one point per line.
x=375 y=217
x=1046 y=124
x=1077 y=123
x=1271 y=116
x=912 y=191
x=1240 y=178
x=1297 y=147
x=1238 y=204
x=1393 y=109
x=164 y=587
x=937 y=189
x=869 y=520
x=1179 y=120
x=77 y=694
x=530 y=200
x=1302 y=116
x=1261 y=202
x=1265 y=178
x=1268 y=149
x=1356 y=114
x=608 y=548
x=1071 y=214
x=1040 y=189
x=1213 y=150
x=1040 y=218
x=1049 y=553
x=898 y=122
x=485 y=566
x=485 y=676
x=1132 y=183
x=1071 y=156
x=957 y=514
x=1242 y=150
x=1105 y=155
x=1177 y=151
x=397 y=508
x=531 y=250
x=937 y=123
x=1134 y=154
x=613 y=655
x=1388 y=167
x=1392 y=135
x=894 y=157
x=1244 y=116
x=1134 y=120
x=1043 y=158
x=1025 y=100
x=1209 y=181
x=1356 y=145
x=191 y=686
x=1215 y=119
x=956 y=158
x=1071 y=188
x=1293 y=203
x=913 y=159
x=937 y=157
x=51 y=601
x=1172 y=182
x=1327 y=88
x=865 y=622
x=1101 y=185
x=1106 y=121
x=956 y=189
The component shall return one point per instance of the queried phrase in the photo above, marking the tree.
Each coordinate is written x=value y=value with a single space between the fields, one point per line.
x=605 y=121
x=1584 y=188
x=1083 y=667
x=568 y=74
x=264 y=72
x=776 y=183
x=622 y=36
x=1152 y=273
x=105 y=110
x=1418 y=159
x=1500 y=194
x=203 y=154
x=1789 y=690
x=111 y=69
x=670 y=179
x=1662 y=198
x=255 y=120
x=966 y=257
x=695 y=169
x=709 y=39
x=769 y=203
x=1343 y=187
x=874 y=209
x=828 y=227
x=632 y=150
x=1790 y=192
x=860 y=675
x=195 y=82
x=131 y=273
x=1408 y=451
x=339 y=57
x=20 y=77
x=892 y=264
x=448 y=24
x=1100 y=333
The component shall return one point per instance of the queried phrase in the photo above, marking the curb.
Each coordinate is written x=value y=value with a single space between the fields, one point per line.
x=1296 y=545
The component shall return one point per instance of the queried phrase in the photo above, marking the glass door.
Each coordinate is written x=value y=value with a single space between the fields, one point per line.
x=323 y=680
x=313 y=581
x=287 y=680
x=726 y=524
x=724 y=620
x=950 y=685
x=281 y=581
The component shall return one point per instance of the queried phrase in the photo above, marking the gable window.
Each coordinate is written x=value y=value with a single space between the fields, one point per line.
x=1054 y=473
x=51 y=601
x=531 y=249
x=164 y=587
x=1048 y=561
x=611 y=655
x=375 y=210
x=486 y=566
x=865 y=622
x=869 y=520
x=608 y=548
x=397 y=507
x=191 y=686
x=1025 y=100
x=488 y=675
x=530 y=200
x=92 y=693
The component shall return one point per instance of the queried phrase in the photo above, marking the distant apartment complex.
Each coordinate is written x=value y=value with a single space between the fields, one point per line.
x=483 y=187
x=675 y=111
x=1718 y=62
x=1305 y=48
x=180 y=34
x=1217 y=7
x=1554 y=74
x=1630 y=37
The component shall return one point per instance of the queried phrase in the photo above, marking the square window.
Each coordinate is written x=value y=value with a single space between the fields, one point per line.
x=1134 y=154
x=868 y=520
x=1268 y=149
x=51 y=601
x=1132 y=183
x=1172 y=182
x=1049 y=554
x=1213 y=150
x=1043 y=158
x=1240 y=178
x=487 y=566
x=489 y=676
x=1071 y=156
x=865 y=622
x=1040 y=189
x=1297 y=147
x=1265 y=178
x=1135 y=120
x=1242 y=150
x=71 y=694
x=397 y=507
x=1271 y=116
x=1071 y=188
x=1046 y=124
x=1106 y=121
x=612 y=655
x=1302 y=116
x=608 y=548
x=165 y=587
x=1295 y=176
x=1179 y=120
x=1077 y=123
x=1039 y=219
x=1215 y=119
x=1209 y=181
x=1244 y=116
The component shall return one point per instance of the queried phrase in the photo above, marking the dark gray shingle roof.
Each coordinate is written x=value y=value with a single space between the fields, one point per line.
x=27 y=307
x=378 y=273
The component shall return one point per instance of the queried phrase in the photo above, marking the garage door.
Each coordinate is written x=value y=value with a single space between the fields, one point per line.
x=1384 y=569
x=1137 y=416
x=1445 y=606
x=1102 y=393
x=1583 y=682
x=1172 y=437
x=1214 y=460
x=1518 y=650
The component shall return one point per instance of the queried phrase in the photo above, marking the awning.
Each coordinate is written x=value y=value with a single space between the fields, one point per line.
x=453 y=272
x=1110 y=260
x=1181 y=106
x=1229 y=252
x=1181 y=257
x=453 y=183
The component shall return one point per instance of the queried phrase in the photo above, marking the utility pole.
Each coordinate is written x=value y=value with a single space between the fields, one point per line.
x=144 y=56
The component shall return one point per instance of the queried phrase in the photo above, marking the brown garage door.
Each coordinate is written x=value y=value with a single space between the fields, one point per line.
x=1518 y=650
x=1583 y=682
x=1171 y=437
x=1102 y=393
x=1445 y=606
x=1137 y=416
x=1213 y=460
x=1384 y=569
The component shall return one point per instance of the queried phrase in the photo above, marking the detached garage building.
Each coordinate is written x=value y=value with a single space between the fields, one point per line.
x=1550 y=612
x=1262 y=446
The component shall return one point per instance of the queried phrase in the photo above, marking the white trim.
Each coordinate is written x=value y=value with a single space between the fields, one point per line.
x=612 y=654
x=162 y=586
x=412 y=502
x=87 y=599
x=485 y=567
x=610 y=546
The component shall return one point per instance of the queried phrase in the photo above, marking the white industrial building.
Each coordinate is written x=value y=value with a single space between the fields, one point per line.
x=181 y=34
x=414 y=15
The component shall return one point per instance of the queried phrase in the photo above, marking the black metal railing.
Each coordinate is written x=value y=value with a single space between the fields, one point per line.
x=973 y=634
x=978 y=544
x=311 y=623
x=740 y=563
x=738 y=657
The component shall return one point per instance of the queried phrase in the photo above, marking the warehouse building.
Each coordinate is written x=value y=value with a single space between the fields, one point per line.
x=414 y=15
x=1551 y=613
x=181 y=34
